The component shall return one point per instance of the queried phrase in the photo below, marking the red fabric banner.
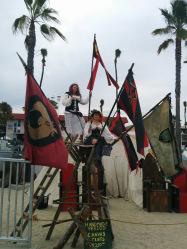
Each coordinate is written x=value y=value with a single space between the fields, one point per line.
x=43 y=142
x=98 y=58
x=93 y=76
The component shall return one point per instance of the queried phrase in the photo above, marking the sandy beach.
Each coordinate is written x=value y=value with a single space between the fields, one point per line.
x=127 y=235
x=138 y=228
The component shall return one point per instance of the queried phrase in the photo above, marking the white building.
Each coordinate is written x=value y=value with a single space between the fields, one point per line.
x=15 y=127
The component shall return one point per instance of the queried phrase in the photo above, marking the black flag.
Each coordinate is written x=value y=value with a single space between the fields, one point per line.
x=117 y=127
x=129 y=102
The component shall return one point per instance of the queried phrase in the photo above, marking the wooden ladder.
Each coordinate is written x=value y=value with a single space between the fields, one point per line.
x=42 y=188
x=37 y=197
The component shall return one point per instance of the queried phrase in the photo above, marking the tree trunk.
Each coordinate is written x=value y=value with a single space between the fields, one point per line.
x=43 y=66
x=178 y=91
x=31 y=47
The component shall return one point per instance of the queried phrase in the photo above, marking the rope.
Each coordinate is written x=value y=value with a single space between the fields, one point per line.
x=120 y=221
x=145 y=224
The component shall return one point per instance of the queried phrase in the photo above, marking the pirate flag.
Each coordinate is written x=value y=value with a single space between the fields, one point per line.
x=43 y=142
x=117 y=127
x=98 y=58
x=161 y=136
x=129 y=102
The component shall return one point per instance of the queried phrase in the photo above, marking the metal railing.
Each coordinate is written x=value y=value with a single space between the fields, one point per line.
x=16 y=190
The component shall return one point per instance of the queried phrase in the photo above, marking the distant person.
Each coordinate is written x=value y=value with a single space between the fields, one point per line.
x=74 y=120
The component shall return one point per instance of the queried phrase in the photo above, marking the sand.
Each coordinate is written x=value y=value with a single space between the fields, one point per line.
x=127 y=236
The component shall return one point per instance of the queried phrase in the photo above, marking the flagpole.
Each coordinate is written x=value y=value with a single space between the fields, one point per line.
x=91 y=78
x=116 y=100
x=23 y=63
x=130 y=128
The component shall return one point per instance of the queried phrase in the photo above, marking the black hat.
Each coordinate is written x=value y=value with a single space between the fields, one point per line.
x=93 y=112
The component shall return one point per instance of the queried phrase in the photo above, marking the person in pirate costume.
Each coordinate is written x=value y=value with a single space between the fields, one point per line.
x=92 y=136
x=74 y=120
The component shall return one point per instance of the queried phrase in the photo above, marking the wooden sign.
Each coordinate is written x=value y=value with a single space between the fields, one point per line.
x=99 y=234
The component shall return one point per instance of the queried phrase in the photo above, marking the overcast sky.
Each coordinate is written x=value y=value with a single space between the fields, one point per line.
x=123 y=24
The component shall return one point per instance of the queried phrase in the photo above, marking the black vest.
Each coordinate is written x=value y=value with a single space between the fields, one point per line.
x=74 y=107
x=96 y=132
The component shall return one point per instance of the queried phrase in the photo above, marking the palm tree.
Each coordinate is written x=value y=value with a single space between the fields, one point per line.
x=44 y=54
x=38 y=13
x=117 y=55
x=185 y=105
x=176 y=20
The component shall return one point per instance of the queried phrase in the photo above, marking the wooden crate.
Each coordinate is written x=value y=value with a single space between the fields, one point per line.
x=158 y=201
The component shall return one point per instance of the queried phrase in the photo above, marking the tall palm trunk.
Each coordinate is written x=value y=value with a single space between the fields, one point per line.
x=178 y=91
x=31 y=46
x=43 y=66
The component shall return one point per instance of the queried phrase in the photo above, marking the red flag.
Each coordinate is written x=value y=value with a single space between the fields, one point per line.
x=129 y=102
x=98 y=58
x=109 y=77
x=43 y=142
x=93 y=76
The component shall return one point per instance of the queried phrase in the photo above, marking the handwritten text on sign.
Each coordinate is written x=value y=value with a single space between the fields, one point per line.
x=99 y=234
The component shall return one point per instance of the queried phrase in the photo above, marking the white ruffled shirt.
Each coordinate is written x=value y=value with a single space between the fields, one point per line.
x=66 y=101
x=108 y=136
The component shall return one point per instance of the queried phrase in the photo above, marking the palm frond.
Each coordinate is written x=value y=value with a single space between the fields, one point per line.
x=49 y=11
x=117 y=53
x=38 y=7
x=182 y=34
x=28 y=4
x=45 y=30
x=46 y=15
x=165 y=45
x=55 y=31
x=50 y=32
x=167 y=16
x=21 y=24
x=164 y=31
x=179 y=10
x=43 y=52
x=38 y=4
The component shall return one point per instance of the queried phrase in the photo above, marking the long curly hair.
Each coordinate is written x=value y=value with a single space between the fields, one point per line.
x=71 y=89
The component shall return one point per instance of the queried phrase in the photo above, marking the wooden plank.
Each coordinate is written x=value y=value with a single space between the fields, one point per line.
x=78 y=220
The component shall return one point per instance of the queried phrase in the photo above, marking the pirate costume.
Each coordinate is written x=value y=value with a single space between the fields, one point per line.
x=92 y=131
x=74 y=120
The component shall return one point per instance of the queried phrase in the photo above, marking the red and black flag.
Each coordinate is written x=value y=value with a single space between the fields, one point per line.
x=43 y=142
x=117 y=127
x=93 y=75
x=129 y=102
x=98 y=58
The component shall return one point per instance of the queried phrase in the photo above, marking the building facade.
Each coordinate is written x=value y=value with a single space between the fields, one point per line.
x=15 y=127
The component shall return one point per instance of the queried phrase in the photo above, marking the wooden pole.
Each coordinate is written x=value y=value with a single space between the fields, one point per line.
x=91 y=77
